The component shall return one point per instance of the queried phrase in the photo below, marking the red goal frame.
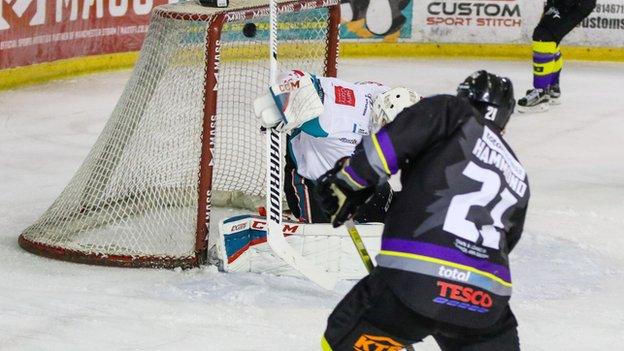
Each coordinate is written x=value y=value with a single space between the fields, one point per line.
x=211 y=76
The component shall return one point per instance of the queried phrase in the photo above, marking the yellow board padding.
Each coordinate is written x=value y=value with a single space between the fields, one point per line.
x=13 y=77
x=494 y=51
x=42 y=72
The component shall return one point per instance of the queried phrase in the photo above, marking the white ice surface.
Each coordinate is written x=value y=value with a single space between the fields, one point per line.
x=568 y=269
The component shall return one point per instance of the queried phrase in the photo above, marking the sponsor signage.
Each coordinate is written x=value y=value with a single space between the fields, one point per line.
x=288 y=229
x=344 y=96
x=603 y=27
x=469 y=21
x=367 y=342
x=459 y=296
x=34 y=31
x=454 y=274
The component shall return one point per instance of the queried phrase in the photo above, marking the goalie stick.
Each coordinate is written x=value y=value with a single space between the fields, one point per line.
x=274 y=190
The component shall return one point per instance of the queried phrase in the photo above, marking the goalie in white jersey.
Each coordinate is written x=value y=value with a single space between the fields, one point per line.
x=326 y=119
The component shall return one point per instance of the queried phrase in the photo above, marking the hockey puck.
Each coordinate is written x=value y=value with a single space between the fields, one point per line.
x=249 y=30
x=214 y=3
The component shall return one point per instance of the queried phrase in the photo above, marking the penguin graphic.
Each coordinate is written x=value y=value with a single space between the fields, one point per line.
x=368 y=18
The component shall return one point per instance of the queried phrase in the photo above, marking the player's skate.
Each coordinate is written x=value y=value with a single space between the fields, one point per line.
x=536 y=100
x=555 y=94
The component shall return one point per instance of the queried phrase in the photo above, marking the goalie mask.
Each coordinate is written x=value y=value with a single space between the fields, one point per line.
x=492 y=95
x=389 y=104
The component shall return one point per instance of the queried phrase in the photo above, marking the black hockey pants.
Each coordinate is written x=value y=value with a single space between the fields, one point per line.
x=371 y=317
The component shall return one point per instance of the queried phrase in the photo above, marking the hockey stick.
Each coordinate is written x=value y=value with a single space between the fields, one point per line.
x=274 y=190
x=359 y=245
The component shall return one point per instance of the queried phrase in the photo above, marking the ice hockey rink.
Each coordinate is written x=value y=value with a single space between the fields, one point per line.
x=568 y=269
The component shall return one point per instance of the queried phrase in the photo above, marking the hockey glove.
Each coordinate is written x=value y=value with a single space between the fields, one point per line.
x=290 y=104
x=340 y=195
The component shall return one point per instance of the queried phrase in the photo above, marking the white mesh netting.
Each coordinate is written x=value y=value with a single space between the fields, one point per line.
x=134 y=200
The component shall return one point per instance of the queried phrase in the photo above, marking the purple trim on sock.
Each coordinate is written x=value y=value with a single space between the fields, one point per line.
x=555 y=79
x=356 y=177
x=540 y=58
x=543 y=82
x=446 y=254
x=388 y=150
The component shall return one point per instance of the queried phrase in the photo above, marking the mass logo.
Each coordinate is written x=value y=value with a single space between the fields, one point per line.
x=376 y=343
x=344 y=96
x=33 y=12
x=20 y=11
x=459 y=296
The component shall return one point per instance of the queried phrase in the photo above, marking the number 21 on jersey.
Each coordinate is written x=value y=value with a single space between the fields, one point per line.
x=456 y=221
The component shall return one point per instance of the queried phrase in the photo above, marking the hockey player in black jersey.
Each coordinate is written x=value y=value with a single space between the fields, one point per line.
x=443 y=268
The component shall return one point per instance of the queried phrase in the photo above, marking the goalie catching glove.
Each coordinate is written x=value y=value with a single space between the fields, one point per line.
x=289 y=104
x=341 y=196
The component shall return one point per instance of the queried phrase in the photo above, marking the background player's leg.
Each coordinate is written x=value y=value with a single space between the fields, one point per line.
x=546 y=59
x=559 y=29
x=554 y=91
x=554 y=25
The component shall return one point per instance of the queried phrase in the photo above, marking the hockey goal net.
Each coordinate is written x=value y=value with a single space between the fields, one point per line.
x=183 y=135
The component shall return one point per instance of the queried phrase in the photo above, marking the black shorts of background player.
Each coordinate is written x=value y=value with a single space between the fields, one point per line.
x=558 y=19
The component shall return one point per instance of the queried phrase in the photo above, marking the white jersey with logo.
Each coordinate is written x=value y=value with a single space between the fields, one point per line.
x=319 y=143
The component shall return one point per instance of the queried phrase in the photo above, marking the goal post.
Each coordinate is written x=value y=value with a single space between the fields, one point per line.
x=182 y=135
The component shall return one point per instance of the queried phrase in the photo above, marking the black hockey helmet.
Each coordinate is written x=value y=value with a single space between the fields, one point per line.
x=492 y=95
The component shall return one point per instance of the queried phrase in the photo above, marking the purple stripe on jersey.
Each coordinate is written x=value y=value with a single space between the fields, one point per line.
x=539 y=57
x=446 y=254
x=388 y=150
x=543 y=82
x=356 y=177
